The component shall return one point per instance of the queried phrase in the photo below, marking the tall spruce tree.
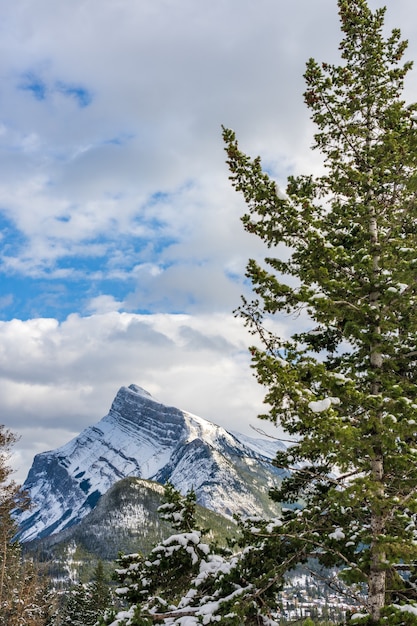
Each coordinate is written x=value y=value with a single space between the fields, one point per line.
x=344 y=386
x=85 y=603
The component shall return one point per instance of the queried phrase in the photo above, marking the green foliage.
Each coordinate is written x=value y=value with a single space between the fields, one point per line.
x=76 y=610
x=344 y=384
x=178 y=510
x=102 y=534
x=183 y=577
x=100 y=590
x=394 y=615
x=399 y=615
x=85 y=603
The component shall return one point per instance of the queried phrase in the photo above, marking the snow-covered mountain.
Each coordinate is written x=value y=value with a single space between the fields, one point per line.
x=141 y=437
x=126 y=520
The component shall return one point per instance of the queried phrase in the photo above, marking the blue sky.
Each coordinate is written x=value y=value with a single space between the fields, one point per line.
x=122 y=255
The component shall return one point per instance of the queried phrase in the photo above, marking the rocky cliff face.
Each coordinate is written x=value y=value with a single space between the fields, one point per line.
x=126 y=520
x=144 y=438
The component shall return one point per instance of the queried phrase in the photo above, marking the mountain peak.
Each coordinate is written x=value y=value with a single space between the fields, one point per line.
x=142 y=437
x=139 y=391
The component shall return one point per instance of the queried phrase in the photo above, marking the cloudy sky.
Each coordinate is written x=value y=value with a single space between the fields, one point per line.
x=122 y=254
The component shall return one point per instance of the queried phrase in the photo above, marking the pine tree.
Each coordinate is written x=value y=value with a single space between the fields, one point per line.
x=85 y=603
x=156 y=585
x=99 y=590
x=76 y=608
x=344 y=385
x=184 y=580
x=24 y=599
x=9 y=555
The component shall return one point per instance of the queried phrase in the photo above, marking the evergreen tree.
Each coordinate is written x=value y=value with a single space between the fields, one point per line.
x=99 y=589
x=76 y=608
x=24 y=600
x=84 y=604
x=184 y=580
x=344 y=386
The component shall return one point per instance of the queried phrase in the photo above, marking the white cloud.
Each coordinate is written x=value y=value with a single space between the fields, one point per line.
x=103 y=304
x=56 y=379
x=162 y=78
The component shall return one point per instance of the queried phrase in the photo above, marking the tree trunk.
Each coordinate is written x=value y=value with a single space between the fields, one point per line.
x=377 y=573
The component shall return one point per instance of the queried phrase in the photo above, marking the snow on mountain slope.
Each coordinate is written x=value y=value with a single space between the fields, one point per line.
x=144 y=438
x=264 y=447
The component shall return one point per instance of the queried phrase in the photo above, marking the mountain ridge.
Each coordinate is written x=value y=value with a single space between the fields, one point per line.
x=144 y=438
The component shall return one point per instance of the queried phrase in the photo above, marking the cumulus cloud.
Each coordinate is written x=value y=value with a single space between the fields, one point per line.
x=103 y=110
x=110 y=125
x=58 y=378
